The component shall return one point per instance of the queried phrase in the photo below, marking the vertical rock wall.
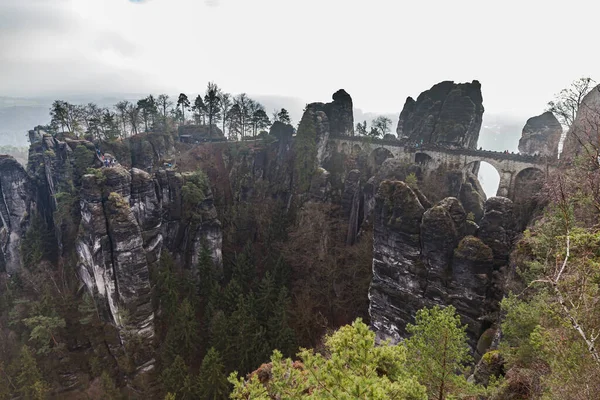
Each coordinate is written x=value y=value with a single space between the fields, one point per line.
x=15 y=202
x=426 y=256
x=448 y=113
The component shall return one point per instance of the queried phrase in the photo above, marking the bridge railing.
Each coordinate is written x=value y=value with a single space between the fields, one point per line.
x=416 y=147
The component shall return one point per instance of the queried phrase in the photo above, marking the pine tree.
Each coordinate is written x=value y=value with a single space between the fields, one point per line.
x=44 y=331
x=244 y=270
x=166 y=286
x=231 y=294
x=281 y=273
x=184 y=103
x=29 y=379
x=220 y=335
x=225 y=106
x=284 y=116
x=199 y=110
x=109 y=389
x=248 y=339
x=177 y=380
x=281 y=335
x=212 y=381
x=213 y=106
x=438 y=349
x=266 y=298
x=182 y=336
x=351 y=367
x=206 y=273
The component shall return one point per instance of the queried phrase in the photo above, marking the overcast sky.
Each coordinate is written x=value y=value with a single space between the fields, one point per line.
x=380 y=51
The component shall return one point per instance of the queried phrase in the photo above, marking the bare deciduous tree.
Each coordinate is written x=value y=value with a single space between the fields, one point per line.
x=567 y=102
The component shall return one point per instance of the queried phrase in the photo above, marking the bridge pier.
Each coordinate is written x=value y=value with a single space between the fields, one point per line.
x=506 y=184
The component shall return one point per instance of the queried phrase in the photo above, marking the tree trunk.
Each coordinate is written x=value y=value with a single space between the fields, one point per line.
x=210 y=117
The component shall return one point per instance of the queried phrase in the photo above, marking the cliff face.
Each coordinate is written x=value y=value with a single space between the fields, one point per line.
x=128 y=218
x=448 y=113
x=15 y=203
x=334 y=118
x=583 y=129
x=427 y=256
x=541 y=135
x=115 y=220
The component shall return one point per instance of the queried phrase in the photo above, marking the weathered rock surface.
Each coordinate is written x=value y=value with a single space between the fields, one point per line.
x=334 y=118
x=351 y=204
x=448 y=114
x=341 y=114
x=585 y=127
x=423 y=257
x=128 y=218
x=116 y=220
x=496 y=228
x=396 y=291
x=472 y=196
x=16 y=190
x=541 y=135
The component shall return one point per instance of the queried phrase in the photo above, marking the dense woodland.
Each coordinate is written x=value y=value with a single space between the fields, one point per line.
x=290 y=284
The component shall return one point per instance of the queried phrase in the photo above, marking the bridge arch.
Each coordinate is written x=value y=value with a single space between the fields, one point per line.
x=378 y=156
x=423 y=159
x=344 y=147
x=488 y=175
x=528 y=183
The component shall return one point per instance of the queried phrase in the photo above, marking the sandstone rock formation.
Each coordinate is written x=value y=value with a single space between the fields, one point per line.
x=341 y=114
x=541 y=135
x=426 y=256
x=334 y=118
x=116 y=221
x=436 y=184
x=17 y=195
x=585 y=127
x=351 y=204
x=447 y=114
x=472 y=196
x=128 y=218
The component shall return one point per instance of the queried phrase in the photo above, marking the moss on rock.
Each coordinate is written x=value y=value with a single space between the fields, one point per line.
x=473 y=249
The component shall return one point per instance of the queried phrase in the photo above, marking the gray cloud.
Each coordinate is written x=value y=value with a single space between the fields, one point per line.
x=114 y=41
x=380 y=53
x=34 y=15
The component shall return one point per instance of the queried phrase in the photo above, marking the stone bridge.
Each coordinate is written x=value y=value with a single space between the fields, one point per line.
x=511 y=167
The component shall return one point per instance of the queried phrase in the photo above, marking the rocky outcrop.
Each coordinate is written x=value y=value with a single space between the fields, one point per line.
x=584 y=129
x=320 y=120
x=427 y=256
x=313 y=134
x=541 y=135
x=396 y=291
x=497 y=227
x=15 y=202
x=472 y=196
x=437 y=184
x=128 y=219
x=341 y=114
x=116 y=221
x=448 y=114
